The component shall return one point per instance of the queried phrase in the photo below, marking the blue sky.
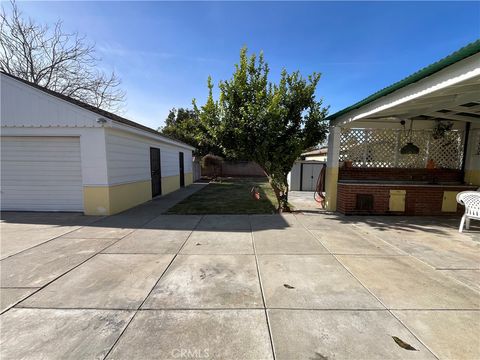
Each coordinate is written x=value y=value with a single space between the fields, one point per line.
x=164 y=51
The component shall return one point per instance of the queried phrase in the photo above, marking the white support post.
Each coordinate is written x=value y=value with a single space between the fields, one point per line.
x=331 y=178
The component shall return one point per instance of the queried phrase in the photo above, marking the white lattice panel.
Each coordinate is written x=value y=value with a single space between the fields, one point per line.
x=381 y=148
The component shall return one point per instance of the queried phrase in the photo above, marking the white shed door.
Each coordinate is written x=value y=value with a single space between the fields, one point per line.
x=310 y=175
x=41 y=174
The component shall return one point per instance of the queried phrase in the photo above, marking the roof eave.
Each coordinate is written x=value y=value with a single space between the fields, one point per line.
x=466 y=51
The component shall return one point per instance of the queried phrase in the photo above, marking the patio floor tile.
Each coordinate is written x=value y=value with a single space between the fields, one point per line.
x=201 y=334
x=60 y=334
x=441 y=251
x=350 y=243
x=173 y=222
x=449 y=334
x=108 y=281
x=322 y=222
x=288 y=241
x=266 y=222
x=311 y=282
x=38 y=266
x=209 y=242
x=470 y=278
x=341 y=335
x=17 y=239
x=98 y=232
x=10 y=296
x=401 y=282
x=224 y=223
x=151 y=241
x=208 y=281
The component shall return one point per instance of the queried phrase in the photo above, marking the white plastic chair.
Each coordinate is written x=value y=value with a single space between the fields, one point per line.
x=471 y=201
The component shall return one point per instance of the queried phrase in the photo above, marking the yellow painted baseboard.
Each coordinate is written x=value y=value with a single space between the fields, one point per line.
x=96 y=200
x=125 y=196
x=331 y=184
x=188 y=179
x=109 y=200
x=170 y=184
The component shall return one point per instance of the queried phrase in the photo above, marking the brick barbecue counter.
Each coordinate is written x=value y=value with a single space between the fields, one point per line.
x=424 y=190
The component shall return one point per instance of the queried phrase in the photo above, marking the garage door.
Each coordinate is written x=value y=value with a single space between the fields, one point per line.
x=41 y=174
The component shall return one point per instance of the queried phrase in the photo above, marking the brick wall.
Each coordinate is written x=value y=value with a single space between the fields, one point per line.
x=400 y=174
x=419 y=200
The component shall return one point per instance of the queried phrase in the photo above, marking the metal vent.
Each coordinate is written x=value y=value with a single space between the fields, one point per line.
x=364 y=202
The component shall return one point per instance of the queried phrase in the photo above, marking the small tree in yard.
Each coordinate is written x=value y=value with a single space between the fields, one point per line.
x=214 y=162
x=271 y=124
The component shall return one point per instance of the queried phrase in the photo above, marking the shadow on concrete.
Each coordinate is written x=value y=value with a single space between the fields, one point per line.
x=439 y=225
x=150 y=215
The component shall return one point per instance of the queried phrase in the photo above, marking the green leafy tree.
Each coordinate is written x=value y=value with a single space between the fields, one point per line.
x=271 y=124
x=181 y=124
x=208 y=125
x=191 y=127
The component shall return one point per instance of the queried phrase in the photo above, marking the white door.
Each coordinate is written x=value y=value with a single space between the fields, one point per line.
x=41 y=174
x=307 y=177
x=310 y=175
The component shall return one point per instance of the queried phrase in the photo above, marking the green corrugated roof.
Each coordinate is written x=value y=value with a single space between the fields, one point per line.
x=458 y=55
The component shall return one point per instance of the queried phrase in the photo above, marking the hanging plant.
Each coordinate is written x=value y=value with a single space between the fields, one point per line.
x=440 y=128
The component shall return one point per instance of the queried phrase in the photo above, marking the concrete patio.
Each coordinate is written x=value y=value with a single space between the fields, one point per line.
x=142 y=285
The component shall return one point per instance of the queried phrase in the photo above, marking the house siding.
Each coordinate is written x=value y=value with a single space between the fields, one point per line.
x=128 y=158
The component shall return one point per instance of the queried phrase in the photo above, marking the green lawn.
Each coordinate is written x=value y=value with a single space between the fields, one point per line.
x=231 y=196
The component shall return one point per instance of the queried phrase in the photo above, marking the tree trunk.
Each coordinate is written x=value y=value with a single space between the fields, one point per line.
x=280 y=188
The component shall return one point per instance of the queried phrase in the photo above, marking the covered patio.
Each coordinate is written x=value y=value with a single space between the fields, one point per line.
x=411 y=147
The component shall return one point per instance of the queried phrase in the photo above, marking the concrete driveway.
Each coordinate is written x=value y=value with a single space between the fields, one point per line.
x=141 y=285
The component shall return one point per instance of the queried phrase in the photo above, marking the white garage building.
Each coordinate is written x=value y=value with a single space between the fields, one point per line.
x=58 y=154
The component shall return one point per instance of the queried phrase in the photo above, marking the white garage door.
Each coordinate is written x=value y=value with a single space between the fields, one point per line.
x=41 y=174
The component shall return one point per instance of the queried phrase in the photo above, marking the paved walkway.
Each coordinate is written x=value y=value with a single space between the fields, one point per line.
x=142 y=285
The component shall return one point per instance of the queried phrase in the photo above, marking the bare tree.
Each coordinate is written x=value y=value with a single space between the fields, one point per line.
x=59 y=61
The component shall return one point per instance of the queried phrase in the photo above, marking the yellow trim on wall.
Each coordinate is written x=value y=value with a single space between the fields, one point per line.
x=96 y=200
x=170 y=184
x=449 y=203
x=472 y=177
x=109 y=200
x=188 y=179
x=331 y=184
x=126 y=196
x=396 y=201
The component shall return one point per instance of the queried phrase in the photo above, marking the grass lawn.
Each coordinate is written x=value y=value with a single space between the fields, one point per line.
x=231 y=196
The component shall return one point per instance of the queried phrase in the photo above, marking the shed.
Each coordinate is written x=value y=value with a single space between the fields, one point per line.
x=60 y=154
x=316 y=155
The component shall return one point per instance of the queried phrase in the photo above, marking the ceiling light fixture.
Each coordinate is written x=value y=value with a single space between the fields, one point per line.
x=410 y=148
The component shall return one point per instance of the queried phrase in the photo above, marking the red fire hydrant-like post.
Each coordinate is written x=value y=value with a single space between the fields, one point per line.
x=255 y=193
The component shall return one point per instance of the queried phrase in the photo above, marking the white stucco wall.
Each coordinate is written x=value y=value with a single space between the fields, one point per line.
x=128 y=157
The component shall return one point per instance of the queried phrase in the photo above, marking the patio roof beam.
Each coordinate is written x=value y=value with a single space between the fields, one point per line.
x=454 y=117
